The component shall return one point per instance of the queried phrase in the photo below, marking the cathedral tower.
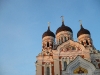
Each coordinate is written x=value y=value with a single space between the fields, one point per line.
x=63 y=33
x=84 y=36
x=48 y=39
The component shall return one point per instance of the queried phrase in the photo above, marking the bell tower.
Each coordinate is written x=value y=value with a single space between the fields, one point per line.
x=84 y=37
x=44 y=64
x=48 y=39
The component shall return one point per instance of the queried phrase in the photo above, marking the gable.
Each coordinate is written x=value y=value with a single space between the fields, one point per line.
x=70 y=46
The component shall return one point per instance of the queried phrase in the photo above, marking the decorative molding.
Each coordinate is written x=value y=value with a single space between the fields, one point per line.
x=80 y=62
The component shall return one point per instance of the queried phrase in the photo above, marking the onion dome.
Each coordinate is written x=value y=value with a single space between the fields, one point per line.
x=63 y=28
x=48 y=33
x=82 y=31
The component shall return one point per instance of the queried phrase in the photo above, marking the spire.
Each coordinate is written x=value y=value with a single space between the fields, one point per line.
x=81 y=23
x=62 y=20
x=49 y=26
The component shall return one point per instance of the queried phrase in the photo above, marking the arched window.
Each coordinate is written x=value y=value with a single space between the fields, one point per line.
x=65 y=39
x=87 y=42
x=61 y=40
x=65 y=65
x=48 y=71
x=47 y=44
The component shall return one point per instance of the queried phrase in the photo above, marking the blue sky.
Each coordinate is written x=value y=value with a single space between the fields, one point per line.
x=22 y=23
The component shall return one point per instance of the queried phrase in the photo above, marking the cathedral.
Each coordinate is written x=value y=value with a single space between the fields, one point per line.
x=61 y=55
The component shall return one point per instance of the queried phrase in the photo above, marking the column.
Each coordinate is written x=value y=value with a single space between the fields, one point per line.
x=68 y=60
x=62 y=63
x=50 y=69
x=44 y=69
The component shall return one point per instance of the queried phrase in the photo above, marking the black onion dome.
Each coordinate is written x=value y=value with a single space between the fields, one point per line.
x=82 y=31
x=63 y=28
x=48 y=33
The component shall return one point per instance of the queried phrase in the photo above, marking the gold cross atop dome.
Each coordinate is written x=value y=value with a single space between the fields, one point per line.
x=62 y=18
x=80 y=22
x=49 y=24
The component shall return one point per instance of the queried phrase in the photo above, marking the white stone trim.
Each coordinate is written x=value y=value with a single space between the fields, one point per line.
x=47 y=37
x=83 y=35
x=80 y=62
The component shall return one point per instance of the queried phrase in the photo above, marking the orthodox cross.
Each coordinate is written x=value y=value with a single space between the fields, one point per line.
x=49 y=24
x=80 y=22
x=62 y=18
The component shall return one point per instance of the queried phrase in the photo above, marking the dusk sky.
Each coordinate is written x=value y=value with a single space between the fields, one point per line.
x=22 y=23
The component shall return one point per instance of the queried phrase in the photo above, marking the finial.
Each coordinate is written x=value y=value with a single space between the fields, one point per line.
x=81 y=23
x=48 y=25
x=62 y=19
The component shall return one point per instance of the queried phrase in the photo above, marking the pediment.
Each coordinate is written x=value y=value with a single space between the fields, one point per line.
x=70 y=46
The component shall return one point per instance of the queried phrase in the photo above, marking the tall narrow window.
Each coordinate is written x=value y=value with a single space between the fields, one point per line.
x=47 y=44
x=61 y=40
x=64 y=38
x=48 y=71
x=65 y=65
x=87 y=42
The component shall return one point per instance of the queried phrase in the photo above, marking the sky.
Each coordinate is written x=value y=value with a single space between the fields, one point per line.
x=22 y=23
